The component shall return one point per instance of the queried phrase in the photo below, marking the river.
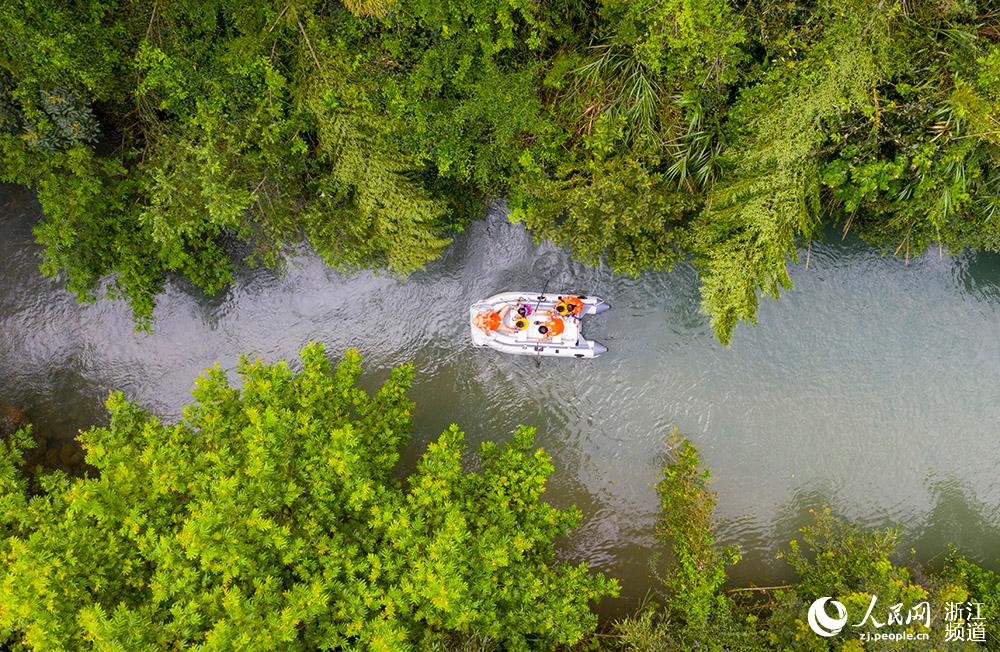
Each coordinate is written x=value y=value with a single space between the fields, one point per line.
x=871 y=387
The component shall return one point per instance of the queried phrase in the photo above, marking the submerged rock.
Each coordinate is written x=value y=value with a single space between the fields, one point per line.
x=70 y=457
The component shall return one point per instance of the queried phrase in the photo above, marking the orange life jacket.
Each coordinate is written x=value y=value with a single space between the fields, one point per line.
x=488 y=321
x=555 y=326
x=570 y=307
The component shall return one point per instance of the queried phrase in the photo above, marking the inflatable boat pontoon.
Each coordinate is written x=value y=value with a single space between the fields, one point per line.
x=529 y=341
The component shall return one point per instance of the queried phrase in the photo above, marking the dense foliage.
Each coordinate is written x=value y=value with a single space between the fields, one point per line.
x=162 y=135
x=692 y=610
x=693 y=586
x=833 y=559
x=270 y=518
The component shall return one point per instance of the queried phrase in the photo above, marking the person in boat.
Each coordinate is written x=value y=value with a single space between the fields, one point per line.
x=490 y=320
x=522 y=310
x=570 y=306
x=553 y=327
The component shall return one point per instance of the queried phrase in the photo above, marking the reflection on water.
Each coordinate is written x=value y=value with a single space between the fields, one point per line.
x=870 y=387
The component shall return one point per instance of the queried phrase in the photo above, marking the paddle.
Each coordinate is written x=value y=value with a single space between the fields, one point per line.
x=542 y=295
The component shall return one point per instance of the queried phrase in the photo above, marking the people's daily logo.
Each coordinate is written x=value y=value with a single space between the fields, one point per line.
x=963 y=621
x=822 y=623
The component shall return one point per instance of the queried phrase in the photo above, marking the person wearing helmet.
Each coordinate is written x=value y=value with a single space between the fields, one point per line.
x=570 y=306
x=553 y=327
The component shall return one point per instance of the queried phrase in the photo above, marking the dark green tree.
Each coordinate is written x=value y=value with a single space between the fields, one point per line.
x=166 y=137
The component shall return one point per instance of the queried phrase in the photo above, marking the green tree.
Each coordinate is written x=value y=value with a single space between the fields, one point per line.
x=748 y=231
x=694 y=581
x=834 y=558
x=270 y=517
x=694 y=612
x=159 y=134
x=165 y=137
x=839 y=559
x=923 y=172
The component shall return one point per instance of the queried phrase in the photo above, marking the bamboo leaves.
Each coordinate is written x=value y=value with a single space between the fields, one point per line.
x=639 y=133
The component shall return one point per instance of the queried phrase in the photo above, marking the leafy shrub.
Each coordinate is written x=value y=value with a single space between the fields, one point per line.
x=270 y=517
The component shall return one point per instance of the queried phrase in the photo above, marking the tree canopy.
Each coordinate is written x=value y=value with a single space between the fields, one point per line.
x=270 y=517
x=178 y=137
x=834 y=557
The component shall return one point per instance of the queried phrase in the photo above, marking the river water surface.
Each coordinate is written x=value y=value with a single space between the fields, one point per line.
x=871 y=387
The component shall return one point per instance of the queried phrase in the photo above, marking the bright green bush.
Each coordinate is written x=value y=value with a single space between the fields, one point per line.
x=270 y=518
x=691 y=609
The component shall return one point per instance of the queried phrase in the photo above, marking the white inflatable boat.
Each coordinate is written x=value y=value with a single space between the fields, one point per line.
x=532 y=340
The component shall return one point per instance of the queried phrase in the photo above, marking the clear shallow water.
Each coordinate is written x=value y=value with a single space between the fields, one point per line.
x=870 y=387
